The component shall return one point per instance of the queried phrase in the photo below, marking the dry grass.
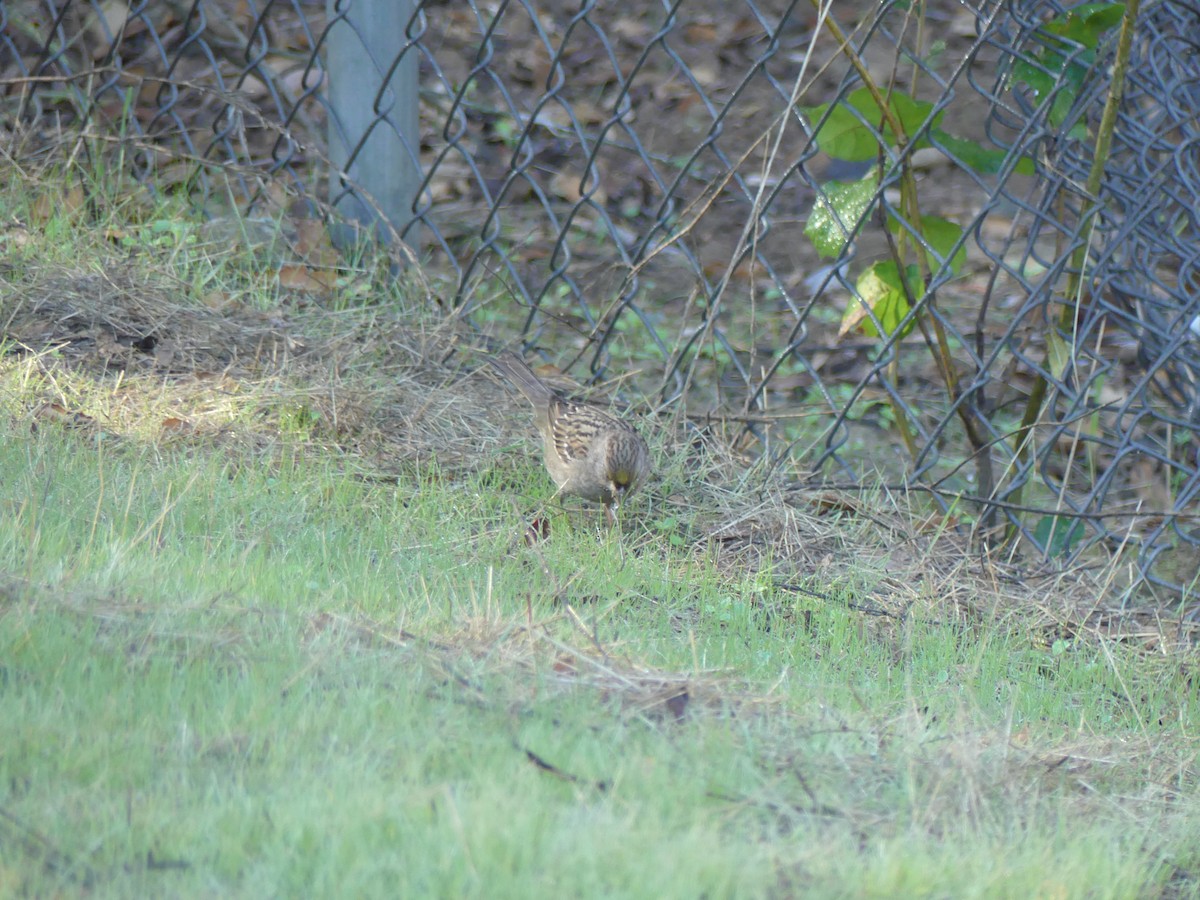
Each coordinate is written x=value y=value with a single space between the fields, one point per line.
x=221 y=352
x=126 y=349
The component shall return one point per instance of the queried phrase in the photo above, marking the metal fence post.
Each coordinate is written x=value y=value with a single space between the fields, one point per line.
x=374 y=136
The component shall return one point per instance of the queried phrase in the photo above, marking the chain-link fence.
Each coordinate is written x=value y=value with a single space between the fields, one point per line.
x=873 y=235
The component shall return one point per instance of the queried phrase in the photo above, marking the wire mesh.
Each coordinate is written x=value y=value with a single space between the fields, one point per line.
x=638 y=181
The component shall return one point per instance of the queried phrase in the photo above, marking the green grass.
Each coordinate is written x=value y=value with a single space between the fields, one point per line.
x=229 y=679
x=235 y=662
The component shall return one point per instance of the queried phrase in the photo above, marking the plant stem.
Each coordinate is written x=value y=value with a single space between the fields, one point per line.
x=1068 y=316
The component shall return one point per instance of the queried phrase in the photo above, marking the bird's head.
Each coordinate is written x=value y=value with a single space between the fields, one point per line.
x=620 y=483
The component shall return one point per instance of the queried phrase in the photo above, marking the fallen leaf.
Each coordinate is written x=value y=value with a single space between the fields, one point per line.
x=59 y=414
x=678 y=705
x=107 y=26
x=164 y=354
x=48 y=205
x=700 y=33
x=538 y=530
x=17 y=237
x=311 y=236
x=303 y=278
x=217 y=299
x=568 y=185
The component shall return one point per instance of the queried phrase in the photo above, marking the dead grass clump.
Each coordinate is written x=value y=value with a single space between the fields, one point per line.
x=127 y=318
x=887 y=556
x=124 y=345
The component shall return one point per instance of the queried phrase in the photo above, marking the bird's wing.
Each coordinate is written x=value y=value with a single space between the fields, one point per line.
x=575 y=427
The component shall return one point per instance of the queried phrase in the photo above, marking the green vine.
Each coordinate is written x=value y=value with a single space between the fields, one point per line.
x=887 y=126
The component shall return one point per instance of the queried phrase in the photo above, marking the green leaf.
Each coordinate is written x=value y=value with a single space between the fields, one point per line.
x=913 y=113
x=1058 y=354
x=881 y=289
x=1058 y=534
x=1039 y=82
x=1086 y=24
x=941 y=234
x=837 y=211
x=975 y=156
x=1068 y=80
x=1061 y=108
x=845 y=136
x=842 y=135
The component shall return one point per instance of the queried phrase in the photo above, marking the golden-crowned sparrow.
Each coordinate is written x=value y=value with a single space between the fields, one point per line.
x=589 y=453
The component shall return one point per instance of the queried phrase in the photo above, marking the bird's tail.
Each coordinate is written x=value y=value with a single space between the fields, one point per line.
x=521 y=377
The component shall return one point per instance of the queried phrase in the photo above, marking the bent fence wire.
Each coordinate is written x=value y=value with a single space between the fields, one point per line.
x=641 y=182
